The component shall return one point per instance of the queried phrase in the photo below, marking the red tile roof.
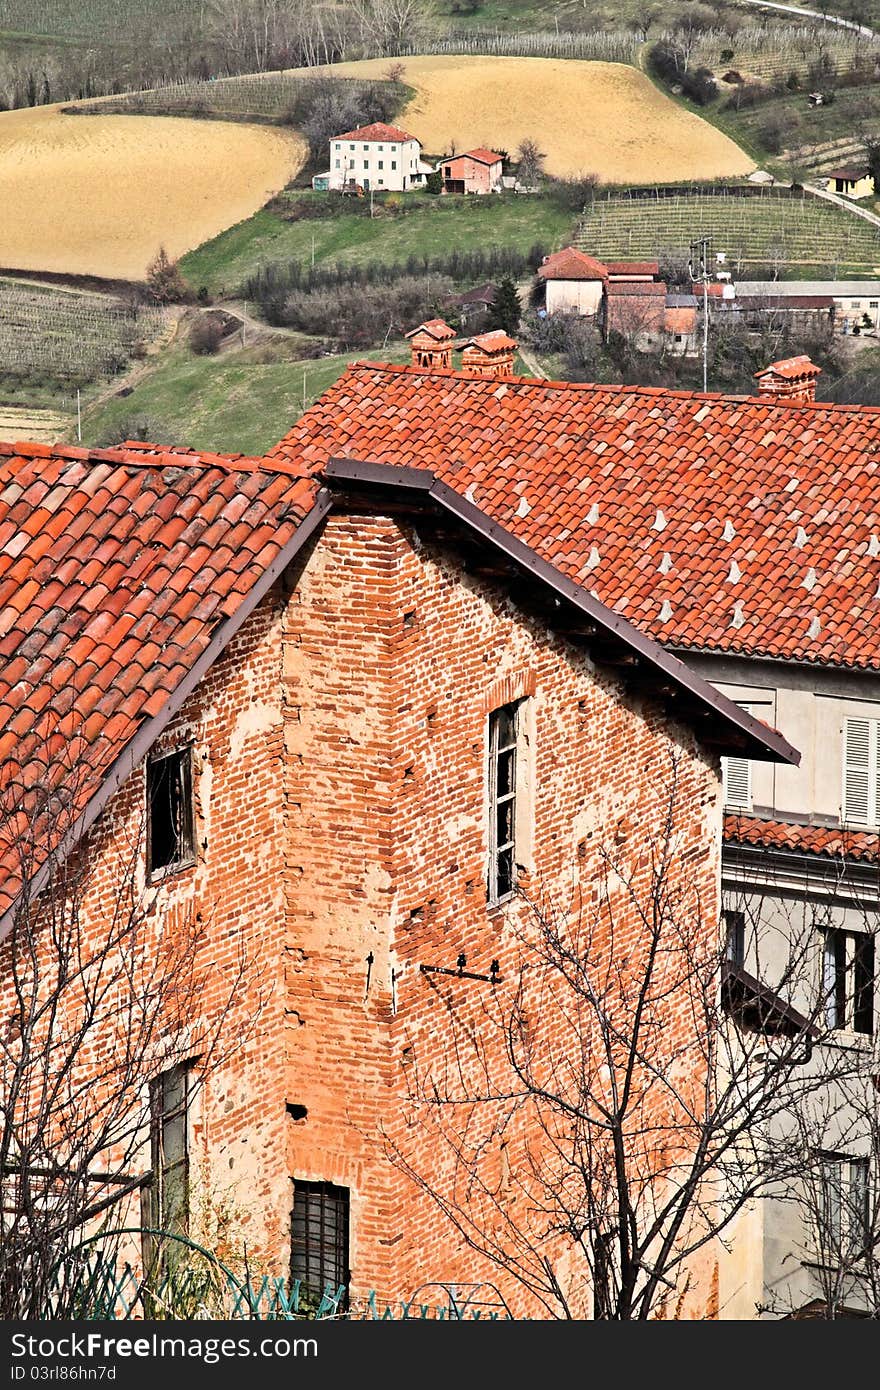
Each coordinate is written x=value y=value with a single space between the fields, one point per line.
x=805 y=839
x=636 y=289
x=434 y=328
x=633 y=267
x=377 y=131
x=481 y=155
x=571 y=264
x=679 y=320
x=723 y=523
x=118 y=568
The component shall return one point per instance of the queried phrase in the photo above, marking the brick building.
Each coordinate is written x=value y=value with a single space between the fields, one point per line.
x=474 y=171
x=744 y=534
x=337 y=714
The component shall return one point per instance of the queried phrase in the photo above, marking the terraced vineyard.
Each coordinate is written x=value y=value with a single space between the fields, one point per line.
x=70 y=336
x=752 y=227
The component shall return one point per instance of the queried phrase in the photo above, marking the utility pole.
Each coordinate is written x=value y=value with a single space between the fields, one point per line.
x=698 y=270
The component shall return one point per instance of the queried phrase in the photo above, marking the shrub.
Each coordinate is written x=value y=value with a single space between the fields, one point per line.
x=165 y=283
x=138 y=425
x=699 y=84
x=377 y=310
x=205 y=335
x=573 y=194
x=434 y=182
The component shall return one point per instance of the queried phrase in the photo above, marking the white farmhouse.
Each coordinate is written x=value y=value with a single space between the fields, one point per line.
x=378 y=156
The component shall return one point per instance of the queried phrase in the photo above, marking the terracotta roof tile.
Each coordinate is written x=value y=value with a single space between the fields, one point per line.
x=806 y=839
x=614 y=478
x=377 y=130
x=481 y=155
x=102 y=616
x=571 y=264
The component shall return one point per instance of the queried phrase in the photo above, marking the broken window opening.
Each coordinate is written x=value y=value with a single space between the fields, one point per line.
x=170 y=832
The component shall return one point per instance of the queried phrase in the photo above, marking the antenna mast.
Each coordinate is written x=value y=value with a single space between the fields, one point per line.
x=698 y=269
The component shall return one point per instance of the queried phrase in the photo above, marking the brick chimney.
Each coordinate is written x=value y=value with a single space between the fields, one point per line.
x=431 y=344
x=489 y=354
x=793 y=379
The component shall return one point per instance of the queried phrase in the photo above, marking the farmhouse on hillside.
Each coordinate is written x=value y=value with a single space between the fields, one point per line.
x=475 y=171
x=472 y=307
x=624 y=297
x=374 y=157
x=853 y=181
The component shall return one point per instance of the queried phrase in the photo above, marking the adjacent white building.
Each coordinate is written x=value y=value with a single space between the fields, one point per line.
x=376 y=157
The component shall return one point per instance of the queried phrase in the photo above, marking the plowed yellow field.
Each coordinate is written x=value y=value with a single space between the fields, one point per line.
x=97 y=195
x=601 y=118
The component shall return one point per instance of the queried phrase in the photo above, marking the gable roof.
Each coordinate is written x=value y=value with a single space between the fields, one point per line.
x=377 y=130
x=571 y=264
x=123 y=572
x=481 y=155
x=643 y=268
x=636 y=289
x=574 y=611
x=729 y=524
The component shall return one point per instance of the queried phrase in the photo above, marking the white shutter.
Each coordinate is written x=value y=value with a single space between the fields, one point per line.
x=736 y=782
x=860 y=772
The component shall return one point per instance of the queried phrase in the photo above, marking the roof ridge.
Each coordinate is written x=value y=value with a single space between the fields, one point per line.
x=617 y=388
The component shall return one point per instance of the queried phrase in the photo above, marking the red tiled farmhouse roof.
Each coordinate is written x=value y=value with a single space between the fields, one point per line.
x=118 y=570
x=637 y=289
x=481 y=155
x=633 y=267
x=571 y=264
x=724 y=523
x=679 y=320
x=376 y=131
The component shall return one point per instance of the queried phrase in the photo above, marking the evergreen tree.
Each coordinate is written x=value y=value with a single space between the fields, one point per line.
x=506 y=309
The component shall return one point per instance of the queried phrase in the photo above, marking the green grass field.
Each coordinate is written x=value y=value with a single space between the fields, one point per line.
x=427 y=226
x=236 y=403
x=239 y=402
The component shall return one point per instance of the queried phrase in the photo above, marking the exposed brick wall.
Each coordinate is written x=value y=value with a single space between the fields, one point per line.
x=340 y=752
x=392 y=661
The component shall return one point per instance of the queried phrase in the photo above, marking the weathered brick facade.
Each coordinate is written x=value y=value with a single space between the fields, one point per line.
x=340 y=753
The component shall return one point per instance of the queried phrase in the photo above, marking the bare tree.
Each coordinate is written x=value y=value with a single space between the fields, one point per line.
x=615 y=1106
x=641 y=23
x=99 y=995
x=530 y=166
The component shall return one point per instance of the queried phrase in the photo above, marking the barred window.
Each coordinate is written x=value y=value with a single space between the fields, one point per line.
x=319 y=1237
